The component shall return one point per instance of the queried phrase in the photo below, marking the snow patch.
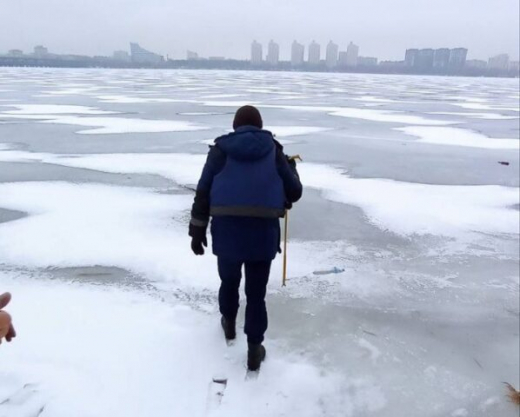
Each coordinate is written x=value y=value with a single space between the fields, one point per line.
x=285 y=131
x=402 y=208
x=112 y=125
x=81 y=225
x=458 y=137
x=54 y=109
x=98 y=345
x=386 y=116
x=105 y=125
x=480 y=106
x=195 y=113
x=224 y=103
x=120 y=99
x=485 y=116
x=371 y=99
x=408 y=208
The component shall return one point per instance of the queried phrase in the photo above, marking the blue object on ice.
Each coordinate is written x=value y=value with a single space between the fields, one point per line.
x=334 y=270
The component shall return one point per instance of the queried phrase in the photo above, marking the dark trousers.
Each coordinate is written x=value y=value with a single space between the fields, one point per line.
x=257 y=276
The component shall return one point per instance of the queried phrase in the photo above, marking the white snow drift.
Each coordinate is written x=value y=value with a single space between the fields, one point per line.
x=386 y=116
x=103 y=351
x=75 y=115
x=399 y=207
x=458 y=137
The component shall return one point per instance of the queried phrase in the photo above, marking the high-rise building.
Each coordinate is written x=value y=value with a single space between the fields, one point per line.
x=314 y=53
x=192 y=56
x=352 y=55
x=458 y=58
x=411 y=56
x=142 y=56
x=393 y=64
x=332 y=55
x=476 y=63
x=499 y=62
x=367 y=61
x=342 y=59
x=122 y=56
x=297 y=54
x=424 y=59
x=273 y=53
x=514 y=66
x=257 y=54
x=441 y=58
x=40 y=51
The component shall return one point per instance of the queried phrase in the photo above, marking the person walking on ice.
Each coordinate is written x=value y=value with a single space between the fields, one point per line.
x=246 y=186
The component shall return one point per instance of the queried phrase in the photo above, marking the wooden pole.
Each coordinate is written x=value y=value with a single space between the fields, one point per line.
x=284 y=281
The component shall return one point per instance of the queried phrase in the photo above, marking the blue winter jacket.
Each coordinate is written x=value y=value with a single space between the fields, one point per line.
x=246 y=184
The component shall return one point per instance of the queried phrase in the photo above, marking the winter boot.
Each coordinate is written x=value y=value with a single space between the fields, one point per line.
x=229 y=328
x=255 y=356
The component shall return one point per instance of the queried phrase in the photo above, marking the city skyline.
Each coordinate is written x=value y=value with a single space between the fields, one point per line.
x=486 y=27
x=440 y=61
x=284 y=52
x=312 y=53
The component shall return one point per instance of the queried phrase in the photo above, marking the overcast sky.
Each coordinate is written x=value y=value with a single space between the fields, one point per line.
x=382 y=28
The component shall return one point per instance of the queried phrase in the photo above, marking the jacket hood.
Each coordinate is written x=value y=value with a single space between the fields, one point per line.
x=247 y=143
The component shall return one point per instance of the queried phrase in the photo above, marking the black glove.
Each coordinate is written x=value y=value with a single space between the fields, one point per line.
x=198 y=239
x=197 y=246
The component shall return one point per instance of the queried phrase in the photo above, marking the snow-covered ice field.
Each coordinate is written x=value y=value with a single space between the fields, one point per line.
x=404 y=191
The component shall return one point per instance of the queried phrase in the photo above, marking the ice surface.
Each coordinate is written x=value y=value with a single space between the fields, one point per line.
x=116 y=317
x=224 y=103
x=54 y=109
x=286 y=131
x=480 y=106
x=371 y=99
x=458 y=137
x=385 y=116
x=200 y=113
x=120 y=99
x=102 y=125
x=213 y=96
x=486 y=116
x=106 y=125
x=403 y=208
